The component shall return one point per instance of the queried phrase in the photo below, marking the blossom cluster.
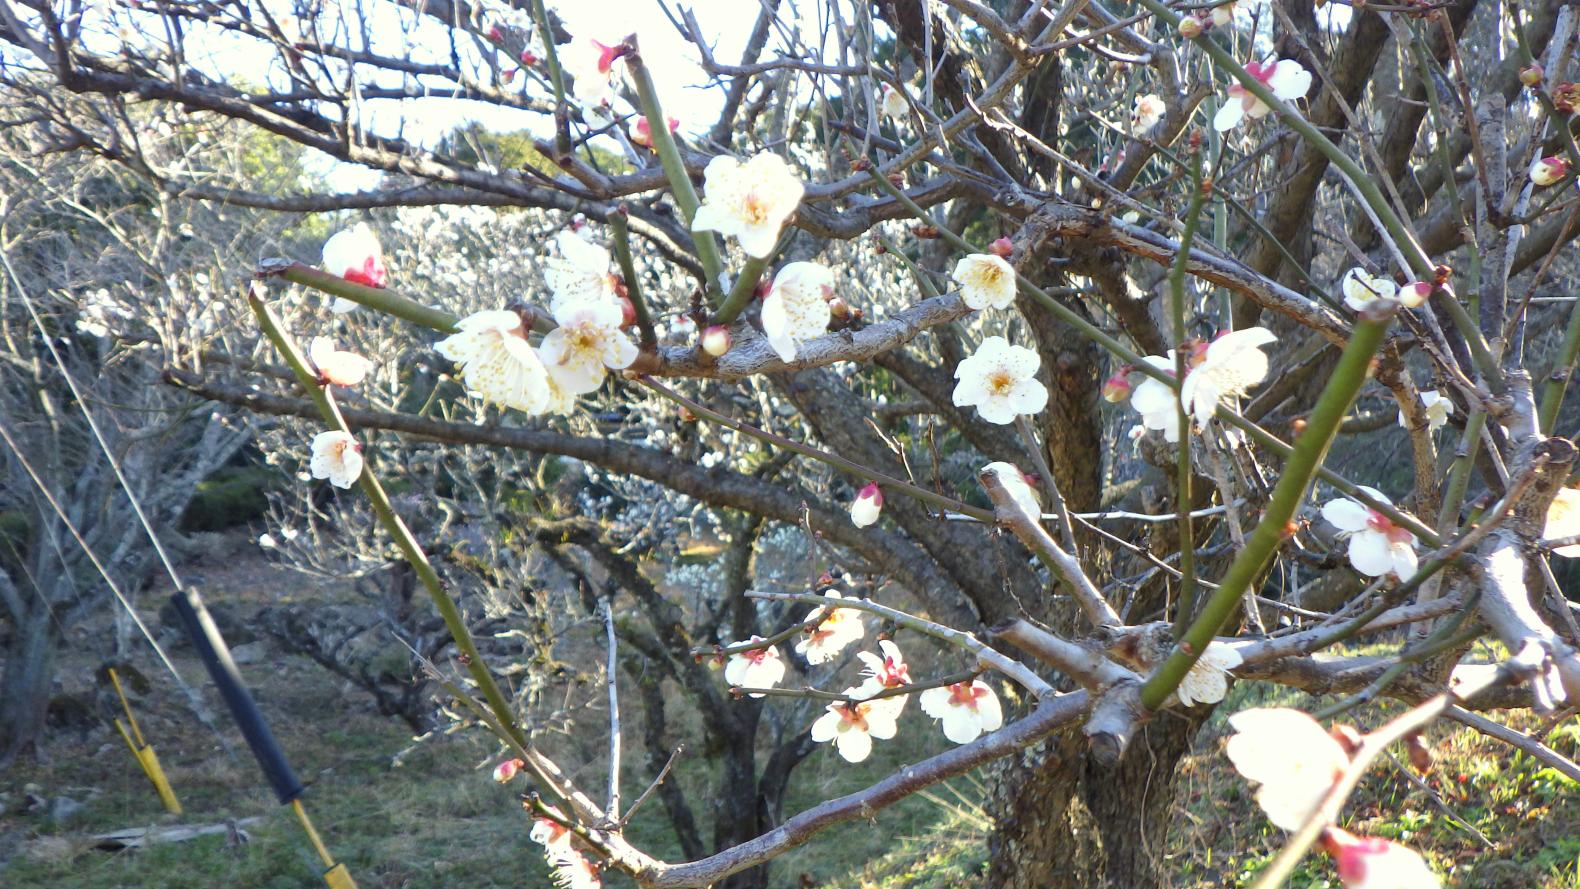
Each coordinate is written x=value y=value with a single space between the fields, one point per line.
x=870 y=710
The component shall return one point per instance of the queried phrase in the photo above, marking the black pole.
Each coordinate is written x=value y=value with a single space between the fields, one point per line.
x=215 y=653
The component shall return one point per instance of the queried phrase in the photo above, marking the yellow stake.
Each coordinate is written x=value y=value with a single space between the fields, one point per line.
x=144 y=752
x=336 y=877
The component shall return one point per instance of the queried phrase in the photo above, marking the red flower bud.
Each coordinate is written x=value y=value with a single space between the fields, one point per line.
x=627 y=312
x=1190 y=27
x=495 y=35
x=528 y=59
x=1531 y=75
x=1117 y=387
x=1002 y=248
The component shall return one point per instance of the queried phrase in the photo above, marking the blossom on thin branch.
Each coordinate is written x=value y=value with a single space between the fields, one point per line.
x=851 y=726
x=1294 y=759
x=1377 y=546
x=964 y=710
x=1000 y=381
x=796 y=308
x=755 y=668
x=336 y=456
x=750 y=201
x=498 y=365
x=985 y=281
x=1287 y=79
x=838 y=628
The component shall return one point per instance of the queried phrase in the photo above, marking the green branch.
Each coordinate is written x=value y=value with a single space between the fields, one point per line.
x=378 y=298
x=1264 y=541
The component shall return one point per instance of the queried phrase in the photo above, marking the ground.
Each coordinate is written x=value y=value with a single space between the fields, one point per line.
x=422 y=815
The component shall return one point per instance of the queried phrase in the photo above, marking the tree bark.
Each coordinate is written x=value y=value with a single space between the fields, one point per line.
x=25 y=684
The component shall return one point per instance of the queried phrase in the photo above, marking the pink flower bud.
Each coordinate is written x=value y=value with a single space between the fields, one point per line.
x=642 y=133
x=507 y=76
x=1531 y=75
x=507 y=770
x=839 y=309
x=716 y=340
x=627 y=312
x=1549 y=170
x=1117 y=387
x=1002 y=248
x=528 y=58
x=1190 y=27
x=495 y=35
x=864 y=510
x=1413 y=295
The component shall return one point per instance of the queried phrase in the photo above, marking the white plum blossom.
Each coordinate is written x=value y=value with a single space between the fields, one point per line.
x=587 y=342
x=580 y=274
x=749 y=201
x=1376 y=545
x=1000 y=380
x=497 y=363
x=1563 y=520
x=1294 y=759
x=1017 y=485
x=1156 y=402
x=882 y=673
x=573 y=870
x=985 y=280
x=851 y=726
x=1376 y=863
x=839 y=627
x=336 y=456
x=1286 y=78
x=1148 y=111
x=355 y=254
x=1438 y=408
x=1231 y=365
x=1208 y=679
x=550 y=834
x=796 y=308
x=965 y=709
x=867 y=506
x=756 y=668
x=335 y=366
x=1223 y=14
x=592 y=65
x=1360 y=287
x=891 y=103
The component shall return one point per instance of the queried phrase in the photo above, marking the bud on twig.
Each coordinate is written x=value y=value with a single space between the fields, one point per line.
x=716 y=340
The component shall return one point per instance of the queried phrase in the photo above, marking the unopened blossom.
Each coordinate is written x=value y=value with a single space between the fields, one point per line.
x=796 y=308
x=965 y=709
x=642 y=133
x=587 y=343
x=337 y=457
x=1414 y=294
x=1360 y=287
x=550 y=834
x=864 y=510
x=507 y=770
x=1376 y=863
x=579 y=274
x=716 y=340
x=1376 y=545
x=891 y=103
x=335 y=366
x=1000 y=380
x=355 y=254
x=882 y=673
x=573 y=870
x=1437 y=407
x=750 y=201
x=851 y=726
x=985 y=280
x=497 y=363
x=1148 y=112
x=755 y=668
x=1286 y=78
x=1223 y=14
x=591 y=64
x=1549 y=170
x=838 y=628
x=1291 y=756
x=1156 y=402
x=1117 y=388
x=1018 y=485
x=1231 y=365
x=1208 y=679
x=1563 y=520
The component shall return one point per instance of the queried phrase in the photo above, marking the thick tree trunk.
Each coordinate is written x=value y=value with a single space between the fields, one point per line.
x=25 y=685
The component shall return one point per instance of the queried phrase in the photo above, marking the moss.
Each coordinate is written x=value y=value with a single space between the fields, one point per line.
x=231 y=496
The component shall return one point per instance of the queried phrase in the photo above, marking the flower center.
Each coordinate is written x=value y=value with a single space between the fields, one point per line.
x=755 y=209
x=854 y=715
x=756 y=655
x=1000 y=382
x=964 y=694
